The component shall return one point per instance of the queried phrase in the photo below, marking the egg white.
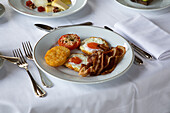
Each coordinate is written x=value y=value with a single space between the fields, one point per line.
x=96 y=40
x=82 y=57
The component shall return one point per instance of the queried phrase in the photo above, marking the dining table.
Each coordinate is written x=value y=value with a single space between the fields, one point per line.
x=142 y=89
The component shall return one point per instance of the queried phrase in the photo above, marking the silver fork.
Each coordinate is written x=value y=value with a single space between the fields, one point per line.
x=28 y=52
x=23 y=64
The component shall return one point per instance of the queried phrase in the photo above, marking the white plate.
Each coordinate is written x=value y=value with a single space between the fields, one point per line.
x=2 y=10
x=154 y=6
x=19 y=6
x=44 y=44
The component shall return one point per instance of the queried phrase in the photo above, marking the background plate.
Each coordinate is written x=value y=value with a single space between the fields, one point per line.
x=19 y=6
x=155 y=5
x=44 y=44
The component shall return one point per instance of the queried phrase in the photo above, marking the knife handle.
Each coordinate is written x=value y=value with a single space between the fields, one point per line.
x=86 y=23
x=138 y=61
x=141 y=52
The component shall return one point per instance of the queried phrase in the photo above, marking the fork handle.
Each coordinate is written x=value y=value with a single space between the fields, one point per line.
x=38 y=90
x=45 y=81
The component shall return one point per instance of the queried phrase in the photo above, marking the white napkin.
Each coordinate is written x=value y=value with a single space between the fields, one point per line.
x=146 y=34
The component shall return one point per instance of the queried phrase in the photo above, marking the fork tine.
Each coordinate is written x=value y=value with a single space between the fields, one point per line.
x=21 y=56
x=30 y=45
x=25 y=50
x=16 y=55
x=29 y=48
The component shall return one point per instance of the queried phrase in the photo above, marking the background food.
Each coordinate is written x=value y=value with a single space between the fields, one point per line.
x=91 y=44
x=49 y=5
x=38 y=3
x=57 y=56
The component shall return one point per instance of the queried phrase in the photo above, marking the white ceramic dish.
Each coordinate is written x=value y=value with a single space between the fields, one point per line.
x=19 y=6
x=2 y=10
x=154 y=6
x=44 y=44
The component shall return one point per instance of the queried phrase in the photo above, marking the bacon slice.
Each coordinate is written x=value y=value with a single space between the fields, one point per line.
x=103 y=62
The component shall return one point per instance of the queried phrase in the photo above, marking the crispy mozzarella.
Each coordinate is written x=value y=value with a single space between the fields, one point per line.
x=75 y=66
x=84 y=45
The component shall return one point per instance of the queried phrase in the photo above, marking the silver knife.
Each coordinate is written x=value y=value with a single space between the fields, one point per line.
x=13 y=60
x=49 y=28
x=136 y=48
x=137 y=60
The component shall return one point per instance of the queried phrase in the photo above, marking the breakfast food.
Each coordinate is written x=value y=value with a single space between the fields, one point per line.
x=102 y=62
x=49 y=5
x=57 y=56
x=92 y=44
x=59 y=4
x=144 y=2
x=75 y=61
x=70 y=41
x=100 y=59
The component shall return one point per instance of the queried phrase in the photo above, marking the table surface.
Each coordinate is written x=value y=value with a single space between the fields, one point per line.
x=143 y=89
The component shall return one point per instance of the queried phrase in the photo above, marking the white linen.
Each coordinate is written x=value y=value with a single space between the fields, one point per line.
x=148 y=35
x=143 y=89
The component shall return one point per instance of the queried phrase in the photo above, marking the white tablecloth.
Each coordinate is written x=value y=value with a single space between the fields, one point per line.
x=143 y=89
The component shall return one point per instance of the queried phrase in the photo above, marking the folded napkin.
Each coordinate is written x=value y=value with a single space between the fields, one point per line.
x=145 y=34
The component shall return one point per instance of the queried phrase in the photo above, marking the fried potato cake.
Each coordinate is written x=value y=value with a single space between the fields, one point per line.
x=57 y=56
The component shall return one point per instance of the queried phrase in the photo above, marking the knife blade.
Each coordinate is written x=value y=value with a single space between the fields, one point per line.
x=136 y=48
x=49 y=28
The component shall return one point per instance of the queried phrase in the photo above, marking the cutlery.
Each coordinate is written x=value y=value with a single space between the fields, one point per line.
x=136 y=48
x=137 y=60
x=49 y=28
x=13 y=60
x=28 y=52
x=140 y=51
x=23 y=64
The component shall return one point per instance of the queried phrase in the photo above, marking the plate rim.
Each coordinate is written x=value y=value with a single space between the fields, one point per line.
x=37 y=16
x=140 y=9
x=84 y=82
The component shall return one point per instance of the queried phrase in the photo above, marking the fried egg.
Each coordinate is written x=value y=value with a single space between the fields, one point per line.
x=90 y=44
x=75 y=60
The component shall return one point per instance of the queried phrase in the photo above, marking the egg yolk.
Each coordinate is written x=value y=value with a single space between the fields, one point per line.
x=93 y=45
x=75 y=60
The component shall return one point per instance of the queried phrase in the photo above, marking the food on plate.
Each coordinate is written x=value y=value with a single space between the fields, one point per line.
x=102 y=62
x=92 y=44
x=59 y=4
x=76 y=60
x=49 y=5
x=39 y=3
x=144 y=2
x=71 y=41
x=57 y=56
x=68 y=2
x=100 y=59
